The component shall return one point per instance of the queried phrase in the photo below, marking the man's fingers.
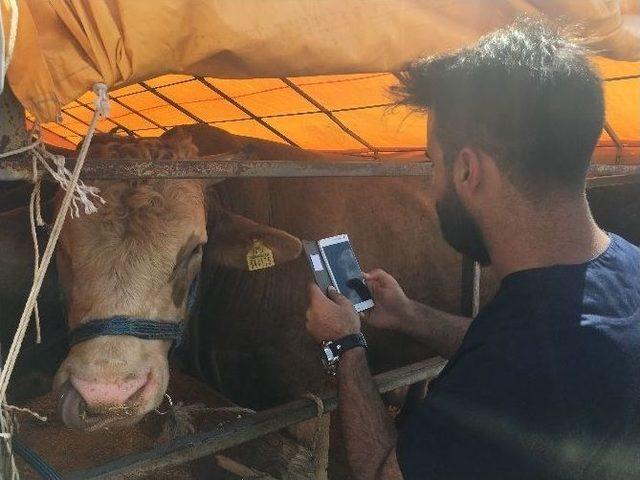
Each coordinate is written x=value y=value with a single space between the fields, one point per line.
x=335 y=296
x=314 y=292
x=379 y=277
x=375 y=274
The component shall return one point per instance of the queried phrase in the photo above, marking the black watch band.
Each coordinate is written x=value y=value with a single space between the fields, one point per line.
x=334 y=349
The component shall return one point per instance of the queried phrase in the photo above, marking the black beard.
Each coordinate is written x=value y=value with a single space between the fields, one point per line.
x=459 y=229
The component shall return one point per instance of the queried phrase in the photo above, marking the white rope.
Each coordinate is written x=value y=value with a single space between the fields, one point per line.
x=102 y=109
x=33 y=201
x=315 y=445
x=13 y=34
x=7 y=45
x=36 y=415
x=20 y=150
x=8 y=468
x=83 y=194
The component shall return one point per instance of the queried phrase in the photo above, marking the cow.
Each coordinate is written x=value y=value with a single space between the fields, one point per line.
x=136 y=259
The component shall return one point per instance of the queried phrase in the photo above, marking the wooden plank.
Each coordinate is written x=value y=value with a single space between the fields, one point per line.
x=239 y=431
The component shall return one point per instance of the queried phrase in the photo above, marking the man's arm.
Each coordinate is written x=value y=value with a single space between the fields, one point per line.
x=369 y=434
x=440 y=331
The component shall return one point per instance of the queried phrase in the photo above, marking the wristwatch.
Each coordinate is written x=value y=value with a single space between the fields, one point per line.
x=333 y=350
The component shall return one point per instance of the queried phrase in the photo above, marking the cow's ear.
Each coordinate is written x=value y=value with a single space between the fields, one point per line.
x=237 y=242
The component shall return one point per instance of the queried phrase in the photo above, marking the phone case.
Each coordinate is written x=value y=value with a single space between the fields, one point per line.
x=316 y=262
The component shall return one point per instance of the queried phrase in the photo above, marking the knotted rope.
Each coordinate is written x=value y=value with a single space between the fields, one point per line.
x=74 y=191
x=315 y=445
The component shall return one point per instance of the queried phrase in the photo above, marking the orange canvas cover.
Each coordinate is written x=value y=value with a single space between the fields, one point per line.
x=309 y=73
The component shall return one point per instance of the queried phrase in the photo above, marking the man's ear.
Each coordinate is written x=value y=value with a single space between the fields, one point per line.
x=467 y=172
x=234 y=236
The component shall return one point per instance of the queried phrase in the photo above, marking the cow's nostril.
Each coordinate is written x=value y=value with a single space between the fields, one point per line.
x=104 y=395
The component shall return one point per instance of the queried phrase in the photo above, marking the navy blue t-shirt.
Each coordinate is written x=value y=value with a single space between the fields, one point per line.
x=546 y=383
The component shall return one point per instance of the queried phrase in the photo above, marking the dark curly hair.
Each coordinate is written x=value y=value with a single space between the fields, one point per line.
x=524 y=94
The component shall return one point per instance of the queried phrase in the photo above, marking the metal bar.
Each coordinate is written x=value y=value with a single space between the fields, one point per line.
x=141 y=115
x=245 y=110
x=66 y=128
x=233 y=433
x=616 y=139
x=175 y=105
x=470 y=287
x=66 y=112
x=232 y=165
x=623 y=77
x=612 y=181
x=124 y=105
x=243 y=164
x=57 y=134
x=328 y=113
x=602 y=170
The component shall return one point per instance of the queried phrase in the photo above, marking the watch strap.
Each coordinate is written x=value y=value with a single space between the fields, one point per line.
x=346 y=343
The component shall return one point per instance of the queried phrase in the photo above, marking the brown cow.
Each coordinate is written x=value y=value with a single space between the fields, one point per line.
x=137 y=257
x=256 y=319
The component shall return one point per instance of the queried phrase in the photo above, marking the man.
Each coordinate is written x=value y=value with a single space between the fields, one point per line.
x=545 y=382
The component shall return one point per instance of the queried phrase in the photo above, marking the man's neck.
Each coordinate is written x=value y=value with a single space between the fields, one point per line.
x=560 y=232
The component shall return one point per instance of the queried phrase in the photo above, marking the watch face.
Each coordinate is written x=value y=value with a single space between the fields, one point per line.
x=329 y=360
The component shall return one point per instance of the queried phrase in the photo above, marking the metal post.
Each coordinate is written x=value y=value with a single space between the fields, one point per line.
x=470 y=287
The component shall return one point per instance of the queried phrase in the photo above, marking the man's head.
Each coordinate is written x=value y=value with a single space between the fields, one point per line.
x=516 y=115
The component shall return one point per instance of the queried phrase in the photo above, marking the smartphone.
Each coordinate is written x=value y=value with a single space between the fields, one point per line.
x=344 y=270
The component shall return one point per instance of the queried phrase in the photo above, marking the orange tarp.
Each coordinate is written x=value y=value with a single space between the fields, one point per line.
x=223 y=62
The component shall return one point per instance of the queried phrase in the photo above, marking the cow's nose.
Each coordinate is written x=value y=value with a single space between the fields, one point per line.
x=102 y=394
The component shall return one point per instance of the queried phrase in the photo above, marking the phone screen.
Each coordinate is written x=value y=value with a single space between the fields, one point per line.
x=346 y=271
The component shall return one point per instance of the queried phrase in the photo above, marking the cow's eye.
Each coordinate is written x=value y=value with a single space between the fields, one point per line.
x=197 y=250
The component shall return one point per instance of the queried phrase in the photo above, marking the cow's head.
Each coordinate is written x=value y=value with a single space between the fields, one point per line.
x=136 y=258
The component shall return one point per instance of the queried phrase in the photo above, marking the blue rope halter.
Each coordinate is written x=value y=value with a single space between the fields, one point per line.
x=136 y=326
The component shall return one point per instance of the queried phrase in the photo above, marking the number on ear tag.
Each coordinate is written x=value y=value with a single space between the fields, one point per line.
x=260 y=256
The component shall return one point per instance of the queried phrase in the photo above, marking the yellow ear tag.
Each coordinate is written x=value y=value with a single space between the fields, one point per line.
x=260 y=256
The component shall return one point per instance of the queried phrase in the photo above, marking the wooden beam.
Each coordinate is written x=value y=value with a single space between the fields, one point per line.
x=191 y=447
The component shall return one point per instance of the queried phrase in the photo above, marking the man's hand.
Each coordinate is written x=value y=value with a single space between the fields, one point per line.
x=392 y=307
x=330 y=318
